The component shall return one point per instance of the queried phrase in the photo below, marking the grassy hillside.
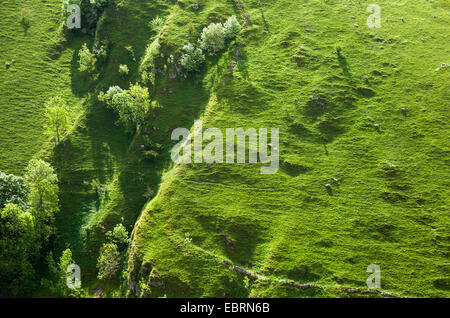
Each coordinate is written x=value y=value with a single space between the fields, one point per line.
x=390 y=205
x=224 y=229
x=40 y=72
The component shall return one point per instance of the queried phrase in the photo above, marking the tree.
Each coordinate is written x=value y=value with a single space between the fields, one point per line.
x=43 y=197
x=212 y=38
x=87 y=59
x=192 y=58
x=132 y=105
x=139 y=104
x=13 y=189
x=232 y=27
x=62 y=289
x=57 y=118
x=108 y=261
x=18 y=249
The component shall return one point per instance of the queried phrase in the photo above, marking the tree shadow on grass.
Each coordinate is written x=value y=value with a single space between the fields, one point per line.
x=343 y=64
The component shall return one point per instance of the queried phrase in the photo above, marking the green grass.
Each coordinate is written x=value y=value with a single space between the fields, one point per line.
x=284 y=226
x=38 y=74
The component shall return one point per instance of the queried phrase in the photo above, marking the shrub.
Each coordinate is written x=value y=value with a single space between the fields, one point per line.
x=157 y=24
x=151 y=52
x=87 y=59
x=118 y=236
x=232 y=27
x=192 y=58
x=212 y=38
x=25 y=16
x=108 y=261
x=123 y=69
x=108 y=97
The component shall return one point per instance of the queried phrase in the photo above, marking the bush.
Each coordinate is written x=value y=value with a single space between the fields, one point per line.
x=118 y=236
x=212 y=39
x=87 y=59
x=232 y=27
x=108 y=261
x=157 y=24
x=192 y=58
x=123 y=69
x=108 y=97
x=25 y=16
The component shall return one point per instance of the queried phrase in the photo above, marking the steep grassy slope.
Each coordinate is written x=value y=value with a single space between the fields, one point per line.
x=390 y=205
x=39 y=73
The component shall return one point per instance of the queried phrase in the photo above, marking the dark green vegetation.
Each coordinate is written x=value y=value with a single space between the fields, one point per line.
x=334 y=89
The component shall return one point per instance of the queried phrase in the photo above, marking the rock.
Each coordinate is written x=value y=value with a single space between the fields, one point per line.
x=7 y=65
x=84 y=30
x=403 y=20
x=355 y=25
x=13 y=61
x=328 y=186
x=196 y=7
x=99 y=292
x=294 y=284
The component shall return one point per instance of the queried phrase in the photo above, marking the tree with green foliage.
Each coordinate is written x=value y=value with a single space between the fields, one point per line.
x=62 y=289
x=231 y=27
x=118 y=236
x=212 y=38
x=139 y=104
x=86 y=60
x=43 y=197
x=192 y=58
x=132 y=105
x=13 y=189
x=108 y=262
x=57 y=118
x=19 y=248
